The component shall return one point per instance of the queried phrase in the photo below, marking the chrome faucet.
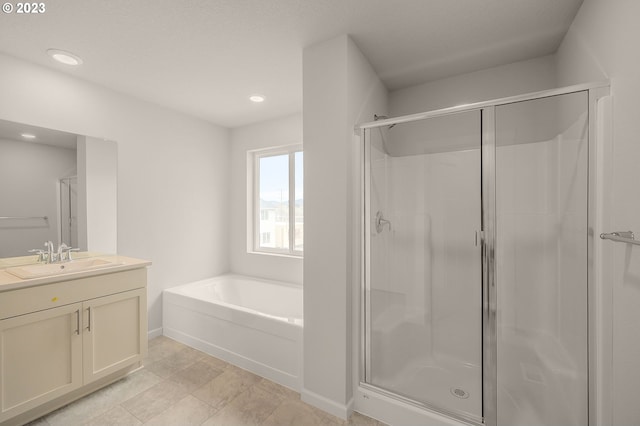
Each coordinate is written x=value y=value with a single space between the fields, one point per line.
x=61 y=249
x=42 y=255
x=63 y=254
x=50 y=252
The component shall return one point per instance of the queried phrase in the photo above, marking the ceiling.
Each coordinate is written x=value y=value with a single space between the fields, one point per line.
x=13 y=131
x=206 y=57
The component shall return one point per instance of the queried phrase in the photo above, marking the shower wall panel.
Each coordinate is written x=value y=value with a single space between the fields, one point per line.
x=424 y=287
x=541 y=197
x=434 y=201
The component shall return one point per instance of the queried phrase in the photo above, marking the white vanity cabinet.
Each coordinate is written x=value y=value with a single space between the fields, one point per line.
x=62 y=340
x=41 y=358
x=112 y=333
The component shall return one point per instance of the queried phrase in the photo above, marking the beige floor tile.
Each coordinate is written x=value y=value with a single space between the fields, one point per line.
x=155 y=400
x=222 y=394
x=225 y=387
x=295 y=413
x=117 y=416
x=276 y=389
x=103 y=400
x=175 y=362
x=358 y=419
x=243 y=373
x=38 y=422
x=215 y=362
x=161 y=348
x=196 y=375
x=189 y=411
x=251 y=407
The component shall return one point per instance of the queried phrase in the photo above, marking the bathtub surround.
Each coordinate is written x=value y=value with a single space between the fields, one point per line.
x=252 y=323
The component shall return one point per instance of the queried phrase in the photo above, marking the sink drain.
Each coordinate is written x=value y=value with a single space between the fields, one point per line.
x=459 y=393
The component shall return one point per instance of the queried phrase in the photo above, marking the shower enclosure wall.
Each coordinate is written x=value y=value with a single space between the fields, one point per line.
x=476 y=272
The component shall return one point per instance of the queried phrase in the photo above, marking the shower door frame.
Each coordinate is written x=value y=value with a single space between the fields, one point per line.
x=598 y=177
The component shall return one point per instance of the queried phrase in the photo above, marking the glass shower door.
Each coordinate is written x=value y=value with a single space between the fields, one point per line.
x=423 y=291
x=541 y=260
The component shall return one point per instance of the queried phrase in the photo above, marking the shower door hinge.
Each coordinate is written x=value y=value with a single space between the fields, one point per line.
x=479 y=237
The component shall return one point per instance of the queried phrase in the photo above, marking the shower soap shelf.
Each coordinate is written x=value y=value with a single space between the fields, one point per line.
x=622 y=237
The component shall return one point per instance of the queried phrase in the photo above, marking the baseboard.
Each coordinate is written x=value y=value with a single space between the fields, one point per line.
x=154 y=333
x=342 y=411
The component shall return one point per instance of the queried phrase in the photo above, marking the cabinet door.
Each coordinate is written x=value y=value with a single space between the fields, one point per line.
x=40 y=358
x=114 y=333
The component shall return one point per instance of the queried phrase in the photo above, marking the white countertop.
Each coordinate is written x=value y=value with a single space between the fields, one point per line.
x=118 y=263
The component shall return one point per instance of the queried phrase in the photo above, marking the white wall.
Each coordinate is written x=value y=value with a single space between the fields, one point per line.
x=340 y=89
x=97 y=195
x=172 y=170
x=602 y=43
x=29 y=174
x=492 y=83
x=278 y=132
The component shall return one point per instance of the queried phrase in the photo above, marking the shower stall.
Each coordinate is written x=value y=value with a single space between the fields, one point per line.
x=477 y=240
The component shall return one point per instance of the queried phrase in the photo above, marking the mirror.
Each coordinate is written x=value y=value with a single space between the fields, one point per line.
x=56 y=186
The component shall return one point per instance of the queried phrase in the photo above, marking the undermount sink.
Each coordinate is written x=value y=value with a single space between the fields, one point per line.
x=42 y=270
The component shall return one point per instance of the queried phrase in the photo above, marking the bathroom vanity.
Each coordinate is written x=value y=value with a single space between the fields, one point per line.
x=69 y=333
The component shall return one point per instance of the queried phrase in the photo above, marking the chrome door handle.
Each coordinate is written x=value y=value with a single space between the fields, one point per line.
x=621 y=236
x=89 y=318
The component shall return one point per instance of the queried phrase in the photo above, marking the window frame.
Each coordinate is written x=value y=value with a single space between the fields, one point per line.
x=254 y=211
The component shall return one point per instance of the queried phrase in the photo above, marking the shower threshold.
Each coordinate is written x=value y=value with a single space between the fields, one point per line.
x=441 y=383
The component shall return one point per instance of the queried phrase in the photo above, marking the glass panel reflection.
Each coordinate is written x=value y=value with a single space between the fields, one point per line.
x=541 y=274
x=424 y=289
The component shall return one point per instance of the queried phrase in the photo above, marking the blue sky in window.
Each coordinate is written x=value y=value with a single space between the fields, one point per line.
x=274 y=177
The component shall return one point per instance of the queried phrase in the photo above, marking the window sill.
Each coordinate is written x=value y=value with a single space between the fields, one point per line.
x=267 y=253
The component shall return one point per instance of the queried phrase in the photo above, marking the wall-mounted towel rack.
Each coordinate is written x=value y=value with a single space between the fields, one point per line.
x=622 y=237
x=25 y=217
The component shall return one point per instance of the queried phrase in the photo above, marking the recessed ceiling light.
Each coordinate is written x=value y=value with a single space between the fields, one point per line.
x=63 y=57
x=28 y=136
x=256 y=98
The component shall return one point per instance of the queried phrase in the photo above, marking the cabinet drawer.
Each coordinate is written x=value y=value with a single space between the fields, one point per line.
x=31 y=299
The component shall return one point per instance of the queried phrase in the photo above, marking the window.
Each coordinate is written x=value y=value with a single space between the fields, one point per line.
x=265 y=238
x=278 y=212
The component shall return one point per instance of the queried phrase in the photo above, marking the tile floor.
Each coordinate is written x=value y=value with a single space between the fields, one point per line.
x=181 y=386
